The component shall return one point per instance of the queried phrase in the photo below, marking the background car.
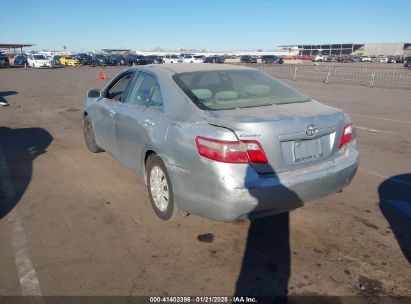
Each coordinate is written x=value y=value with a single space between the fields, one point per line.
x=271 y=59
x=20 y=59
x=155 y=58
x=55 y=59
x=395 y=59
x=331 y=58
x=69 y=60
x=138 y=60
x=84 y=59
x=4 y=61
x=39 y=61
x=318 y=57
x=355 y=58
x=248 y=59
x=100 y=60
x=345 y=58
x=189 y=58
x=226 y=143
x=116 y=59
x=383 y=59
x=407 y=62
x=171 y=58
x=214 y=59
x=365 y=59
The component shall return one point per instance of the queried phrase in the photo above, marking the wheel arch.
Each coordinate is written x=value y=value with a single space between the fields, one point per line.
x=148 y=151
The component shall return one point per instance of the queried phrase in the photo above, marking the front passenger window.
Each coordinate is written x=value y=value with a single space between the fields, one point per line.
x=116 y=91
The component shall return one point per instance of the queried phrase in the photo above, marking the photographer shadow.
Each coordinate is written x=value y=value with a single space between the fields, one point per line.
x=395 y=205
x=18 y=149
x=4 y=94
x=266 y=263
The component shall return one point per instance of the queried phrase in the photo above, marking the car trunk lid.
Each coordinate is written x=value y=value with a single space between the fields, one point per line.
x=293 y=135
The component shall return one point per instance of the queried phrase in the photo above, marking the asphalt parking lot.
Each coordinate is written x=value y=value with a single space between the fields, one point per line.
x=79 y=223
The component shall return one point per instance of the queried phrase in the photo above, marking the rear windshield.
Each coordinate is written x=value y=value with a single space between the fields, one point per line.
x=233 y=89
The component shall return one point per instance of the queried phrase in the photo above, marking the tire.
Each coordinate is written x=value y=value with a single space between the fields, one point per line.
x=157 y=177
x=89 y=136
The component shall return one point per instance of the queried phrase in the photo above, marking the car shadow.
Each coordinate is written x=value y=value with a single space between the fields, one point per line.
x=6 y=93
x=18 y=149
x=395 y=205
x=265 y=269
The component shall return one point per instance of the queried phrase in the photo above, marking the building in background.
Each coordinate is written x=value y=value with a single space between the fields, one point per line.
x=375 y=49
x=368 y=49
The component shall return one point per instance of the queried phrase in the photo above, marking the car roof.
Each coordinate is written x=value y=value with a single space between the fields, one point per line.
x=191 y=67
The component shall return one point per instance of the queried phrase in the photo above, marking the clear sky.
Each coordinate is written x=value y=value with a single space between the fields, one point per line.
x=212 y=25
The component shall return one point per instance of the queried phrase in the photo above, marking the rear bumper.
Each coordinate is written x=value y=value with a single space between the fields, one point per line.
x=229 y=195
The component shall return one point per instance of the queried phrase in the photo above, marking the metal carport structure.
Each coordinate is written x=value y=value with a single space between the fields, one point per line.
x=14 y=46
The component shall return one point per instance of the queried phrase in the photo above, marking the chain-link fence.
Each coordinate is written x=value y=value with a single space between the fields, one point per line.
x=383 y=77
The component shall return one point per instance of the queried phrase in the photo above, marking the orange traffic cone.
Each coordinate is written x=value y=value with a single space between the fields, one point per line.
x=102 y=75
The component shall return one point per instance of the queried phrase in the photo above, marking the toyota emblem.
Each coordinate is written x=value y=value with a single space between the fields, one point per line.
x=311 y=130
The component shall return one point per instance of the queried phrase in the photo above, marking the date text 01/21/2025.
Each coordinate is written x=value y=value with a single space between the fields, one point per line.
x=202 y=299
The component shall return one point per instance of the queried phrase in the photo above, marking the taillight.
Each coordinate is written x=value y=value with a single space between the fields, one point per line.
x=347 y=135
x=244 y=151
x=254 y=151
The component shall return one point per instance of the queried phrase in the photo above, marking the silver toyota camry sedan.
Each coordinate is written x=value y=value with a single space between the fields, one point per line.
x=221 y=141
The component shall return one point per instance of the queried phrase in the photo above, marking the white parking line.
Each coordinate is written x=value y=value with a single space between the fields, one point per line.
x=382 y=118
x=368 y=129
x=29 y=283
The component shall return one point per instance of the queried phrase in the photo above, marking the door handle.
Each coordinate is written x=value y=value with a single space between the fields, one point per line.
x=148 y=122
x=112 y=112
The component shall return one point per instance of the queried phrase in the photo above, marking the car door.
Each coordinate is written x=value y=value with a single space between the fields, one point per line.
x=134 y=121
x=104 y=113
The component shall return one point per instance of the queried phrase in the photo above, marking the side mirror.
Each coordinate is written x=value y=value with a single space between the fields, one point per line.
x=93 y=93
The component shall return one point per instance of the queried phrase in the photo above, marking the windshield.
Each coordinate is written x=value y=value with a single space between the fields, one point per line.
x=39 y=57
x=231 y=89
